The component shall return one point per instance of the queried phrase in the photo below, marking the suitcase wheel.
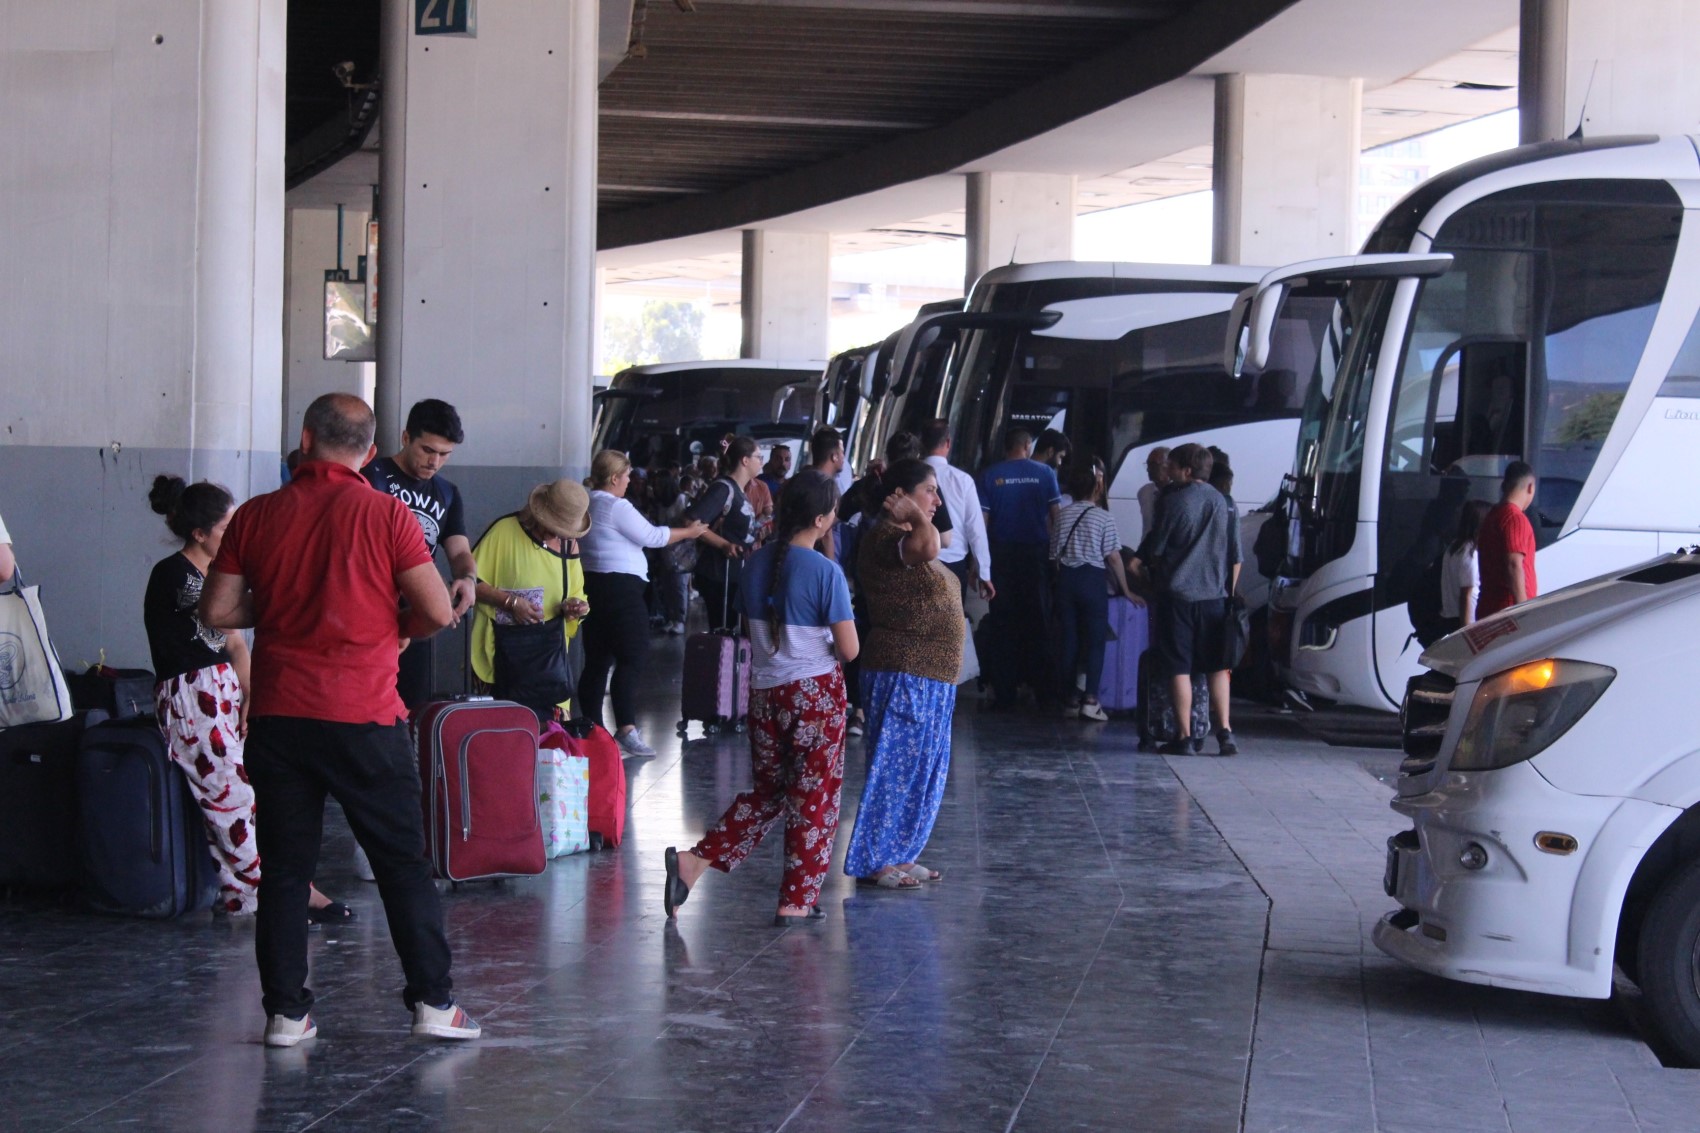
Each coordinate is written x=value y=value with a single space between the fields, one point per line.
x=683 y=726
x=738 y=727
x=711 y=729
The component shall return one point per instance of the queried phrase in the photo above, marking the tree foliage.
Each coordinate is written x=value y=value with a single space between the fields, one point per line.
x=662 y=332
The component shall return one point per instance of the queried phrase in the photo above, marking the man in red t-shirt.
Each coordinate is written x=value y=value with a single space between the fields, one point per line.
x=1505 y=544
x=319 y=569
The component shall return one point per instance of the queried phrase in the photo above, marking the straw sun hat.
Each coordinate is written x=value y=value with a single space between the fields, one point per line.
x=562 y=507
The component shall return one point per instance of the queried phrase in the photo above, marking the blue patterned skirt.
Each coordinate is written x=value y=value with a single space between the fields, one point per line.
x=908 y=743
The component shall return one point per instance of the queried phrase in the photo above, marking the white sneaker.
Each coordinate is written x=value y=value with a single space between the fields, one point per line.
x=676 y=629
x=444 y=1022
x=281 y=1030
x=363 y=865
x=1092 y=710
x=632 y=743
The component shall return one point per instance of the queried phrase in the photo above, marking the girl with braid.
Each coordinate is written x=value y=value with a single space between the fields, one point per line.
x=801 y=627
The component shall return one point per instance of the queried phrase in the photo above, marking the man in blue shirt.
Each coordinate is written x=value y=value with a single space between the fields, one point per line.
x=1020 y=498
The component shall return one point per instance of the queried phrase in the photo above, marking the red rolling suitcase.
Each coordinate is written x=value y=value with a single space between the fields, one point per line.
x=478 y=775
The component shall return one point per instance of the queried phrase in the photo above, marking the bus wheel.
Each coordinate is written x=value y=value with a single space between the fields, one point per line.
x=1669 y=956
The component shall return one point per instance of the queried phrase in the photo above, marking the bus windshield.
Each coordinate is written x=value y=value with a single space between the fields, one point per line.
x=655 y=416
x=1113 y=391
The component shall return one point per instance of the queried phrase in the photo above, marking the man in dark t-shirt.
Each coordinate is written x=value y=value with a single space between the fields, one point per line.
x=433 y=430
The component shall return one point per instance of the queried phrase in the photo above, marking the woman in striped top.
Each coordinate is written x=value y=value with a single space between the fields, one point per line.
x=1084 y=545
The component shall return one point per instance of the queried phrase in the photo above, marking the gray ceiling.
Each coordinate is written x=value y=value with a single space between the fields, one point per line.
x=743 y=109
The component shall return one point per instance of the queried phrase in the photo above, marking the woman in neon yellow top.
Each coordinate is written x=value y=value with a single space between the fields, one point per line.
x=519 y=570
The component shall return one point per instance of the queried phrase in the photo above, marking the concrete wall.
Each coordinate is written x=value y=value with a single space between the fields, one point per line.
x=140 y=337
x=481 y=295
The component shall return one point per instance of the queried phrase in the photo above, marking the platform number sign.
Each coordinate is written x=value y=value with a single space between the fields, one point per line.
x=445 y=17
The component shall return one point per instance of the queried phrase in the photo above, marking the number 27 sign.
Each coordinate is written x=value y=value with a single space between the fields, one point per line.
x=445 y=17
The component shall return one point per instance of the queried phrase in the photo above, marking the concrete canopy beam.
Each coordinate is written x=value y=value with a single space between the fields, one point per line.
x=1285 y=171
x=1018 y=218
x=1608 y=67
x=1141 y=62
x=786 y=294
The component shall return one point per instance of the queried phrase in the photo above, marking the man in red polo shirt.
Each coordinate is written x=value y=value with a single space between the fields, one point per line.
x=318 y=569
x=1505 y=544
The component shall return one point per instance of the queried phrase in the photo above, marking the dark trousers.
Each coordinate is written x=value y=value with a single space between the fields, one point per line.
x=719 y=598
x=1018 y=623
x=1083 y=608
x=372 y=771
x=415 y=673
x=616 y=637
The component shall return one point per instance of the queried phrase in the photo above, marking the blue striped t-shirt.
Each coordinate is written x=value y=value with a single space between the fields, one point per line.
x=812 y=595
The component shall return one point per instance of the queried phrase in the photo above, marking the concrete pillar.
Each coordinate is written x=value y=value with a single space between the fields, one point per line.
x=487 y=214
x=787 y=299
x=580 y=331
x=1286 y=167
x=141 y=277
x=1025 y=218
x=306 y=372
x=236 y=405
x=1608 y=67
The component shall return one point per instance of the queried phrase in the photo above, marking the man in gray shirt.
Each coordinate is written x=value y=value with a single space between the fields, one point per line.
x=1196 y=553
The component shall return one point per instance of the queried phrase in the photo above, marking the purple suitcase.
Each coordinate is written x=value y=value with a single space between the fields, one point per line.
x=716 y=687
x=1130 y=636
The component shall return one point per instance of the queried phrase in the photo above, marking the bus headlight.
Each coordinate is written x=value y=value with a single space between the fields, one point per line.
x=1519 y=713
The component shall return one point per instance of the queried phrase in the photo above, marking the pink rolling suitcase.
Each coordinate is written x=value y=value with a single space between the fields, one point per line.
x=478 y=773
x=716 y=687
x=1130 y=636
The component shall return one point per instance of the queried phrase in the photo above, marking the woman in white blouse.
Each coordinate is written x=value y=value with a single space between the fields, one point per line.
x=615 y=575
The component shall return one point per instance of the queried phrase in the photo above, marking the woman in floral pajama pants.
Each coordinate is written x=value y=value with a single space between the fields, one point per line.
x=199 y=698
x=797 y=758
x=199 y=711
x=798 y=608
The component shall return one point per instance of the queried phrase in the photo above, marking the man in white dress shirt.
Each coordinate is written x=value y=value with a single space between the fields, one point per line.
x=962 y=498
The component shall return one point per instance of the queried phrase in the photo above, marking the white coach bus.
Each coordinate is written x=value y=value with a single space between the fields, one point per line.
x=1122 y=358
x=1538 y=305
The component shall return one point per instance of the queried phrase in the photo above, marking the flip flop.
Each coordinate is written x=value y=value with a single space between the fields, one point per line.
x=674 y=893
x=816 y=915
x=922 y=873
x=334 y=913
x=891 y=879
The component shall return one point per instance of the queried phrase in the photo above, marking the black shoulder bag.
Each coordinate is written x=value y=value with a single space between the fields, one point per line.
x=531 y=661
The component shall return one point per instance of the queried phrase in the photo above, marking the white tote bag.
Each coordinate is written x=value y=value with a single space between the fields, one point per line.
x=32 y=685
x=970 y=667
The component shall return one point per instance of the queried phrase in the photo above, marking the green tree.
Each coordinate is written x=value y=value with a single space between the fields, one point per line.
x=662 y=332
x=1590 y=419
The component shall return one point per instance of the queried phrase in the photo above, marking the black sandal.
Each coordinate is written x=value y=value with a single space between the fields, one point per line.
x=334 y=913
x=674 y=893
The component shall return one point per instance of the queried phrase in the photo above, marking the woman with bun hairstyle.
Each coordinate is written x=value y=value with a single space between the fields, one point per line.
x=201 y=696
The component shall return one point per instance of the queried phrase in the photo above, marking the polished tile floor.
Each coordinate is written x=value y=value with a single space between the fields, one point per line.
x=1101 y=955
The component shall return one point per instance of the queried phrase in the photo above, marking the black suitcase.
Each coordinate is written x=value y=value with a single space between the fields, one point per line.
x=1157 y=705
x=142 y=842
x=38 y=802
x=120 y=693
